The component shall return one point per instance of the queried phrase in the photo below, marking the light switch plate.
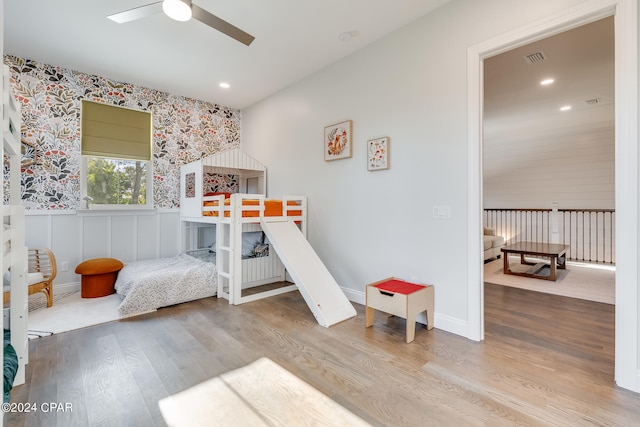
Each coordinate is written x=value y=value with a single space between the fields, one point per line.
x=442 y=212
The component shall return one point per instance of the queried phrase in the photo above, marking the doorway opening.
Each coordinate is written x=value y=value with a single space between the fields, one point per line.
x=626 y=167
x=549 y=162
x=549 y=184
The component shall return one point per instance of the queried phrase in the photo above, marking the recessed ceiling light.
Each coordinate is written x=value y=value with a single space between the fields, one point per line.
x=546 y=82
x=225 y=85
x=347 y=35
x=565 y=108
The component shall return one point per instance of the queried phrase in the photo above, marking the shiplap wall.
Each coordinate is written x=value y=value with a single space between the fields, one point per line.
x=74 y=236
x=573 y=167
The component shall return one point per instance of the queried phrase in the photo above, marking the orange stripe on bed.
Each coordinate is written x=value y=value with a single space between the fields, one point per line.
x=271 y=208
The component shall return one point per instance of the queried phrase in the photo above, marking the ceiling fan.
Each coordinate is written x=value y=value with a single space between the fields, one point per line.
x=183 y=10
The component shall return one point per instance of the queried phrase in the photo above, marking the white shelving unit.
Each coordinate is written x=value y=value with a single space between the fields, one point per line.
x=14 y=253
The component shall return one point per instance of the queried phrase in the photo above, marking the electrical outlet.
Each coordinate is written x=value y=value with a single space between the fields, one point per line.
x=64 y=266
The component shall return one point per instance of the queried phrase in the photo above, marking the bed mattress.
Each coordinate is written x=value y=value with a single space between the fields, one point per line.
x=151 y=284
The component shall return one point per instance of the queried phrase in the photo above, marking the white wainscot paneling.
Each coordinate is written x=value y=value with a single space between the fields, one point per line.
x=65 y=238
x=123 y=241
x=96 y=241
x=147 y=236
x=37 y=231
x=61 y=234
x=169 y=233
x=127 y=235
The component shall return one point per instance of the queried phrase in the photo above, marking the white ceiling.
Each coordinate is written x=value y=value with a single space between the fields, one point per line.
x=294 y=38
x=580 y=60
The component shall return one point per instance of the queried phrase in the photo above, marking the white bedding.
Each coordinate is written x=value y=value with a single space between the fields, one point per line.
x=151 y=284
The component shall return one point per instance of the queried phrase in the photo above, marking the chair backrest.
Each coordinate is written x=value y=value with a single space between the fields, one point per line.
x=43 y=261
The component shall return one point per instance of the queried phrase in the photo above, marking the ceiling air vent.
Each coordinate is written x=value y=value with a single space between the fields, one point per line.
x=593 y=101
x=534 y=58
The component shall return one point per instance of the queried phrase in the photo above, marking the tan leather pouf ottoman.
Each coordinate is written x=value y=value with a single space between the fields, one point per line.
x=98 y=276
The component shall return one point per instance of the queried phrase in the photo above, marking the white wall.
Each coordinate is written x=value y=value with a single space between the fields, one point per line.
x=75 y=236
x=412 y=87
x=574 y=167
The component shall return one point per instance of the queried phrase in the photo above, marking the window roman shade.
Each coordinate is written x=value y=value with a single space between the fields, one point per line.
x=115 y=132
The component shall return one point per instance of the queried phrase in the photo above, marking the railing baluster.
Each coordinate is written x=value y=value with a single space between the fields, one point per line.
x=583 y=230
x=612 y=236
x=596 y=233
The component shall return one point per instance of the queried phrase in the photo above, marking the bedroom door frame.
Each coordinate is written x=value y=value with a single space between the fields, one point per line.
x=627 y=369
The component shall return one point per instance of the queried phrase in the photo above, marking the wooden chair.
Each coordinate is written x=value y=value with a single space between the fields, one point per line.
x=40 y=262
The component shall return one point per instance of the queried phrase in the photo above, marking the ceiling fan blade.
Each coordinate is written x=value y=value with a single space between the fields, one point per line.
x=221 y=25
x=137 y=13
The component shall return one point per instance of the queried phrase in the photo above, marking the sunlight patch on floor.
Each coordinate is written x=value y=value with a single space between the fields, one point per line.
x=259 y=394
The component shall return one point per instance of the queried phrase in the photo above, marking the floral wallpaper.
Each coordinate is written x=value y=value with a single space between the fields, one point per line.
x=50 y=97
x=220 y=183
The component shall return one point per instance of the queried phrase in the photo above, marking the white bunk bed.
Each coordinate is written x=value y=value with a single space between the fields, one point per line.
x=233 y=215
x=14 y=252
x=283 y=222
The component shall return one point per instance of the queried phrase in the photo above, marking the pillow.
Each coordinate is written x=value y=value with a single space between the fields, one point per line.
x=260 y=250
x=32 y=278
x=250 y=239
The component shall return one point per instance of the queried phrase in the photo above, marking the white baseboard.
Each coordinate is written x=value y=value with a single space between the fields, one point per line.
x=451 y=324
x=358 y=297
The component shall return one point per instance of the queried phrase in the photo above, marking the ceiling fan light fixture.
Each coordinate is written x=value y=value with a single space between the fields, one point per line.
x=177 y=9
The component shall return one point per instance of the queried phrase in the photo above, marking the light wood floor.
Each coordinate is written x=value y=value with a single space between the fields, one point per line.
x=546 y=360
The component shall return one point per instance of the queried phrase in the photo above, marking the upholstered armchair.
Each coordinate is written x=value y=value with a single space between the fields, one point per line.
x=492 y=244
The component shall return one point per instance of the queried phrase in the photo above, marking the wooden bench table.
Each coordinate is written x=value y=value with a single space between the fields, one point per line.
x=557 y=254
x=402 y=299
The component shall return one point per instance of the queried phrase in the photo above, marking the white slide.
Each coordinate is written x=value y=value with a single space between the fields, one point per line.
x=318 y=288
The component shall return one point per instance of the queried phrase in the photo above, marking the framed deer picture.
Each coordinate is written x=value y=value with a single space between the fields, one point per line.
x=338 y=141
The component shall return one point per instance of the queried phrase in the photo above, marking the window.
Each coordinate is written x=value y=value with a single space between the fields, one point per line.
x=116 y=156
x=116 y=182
